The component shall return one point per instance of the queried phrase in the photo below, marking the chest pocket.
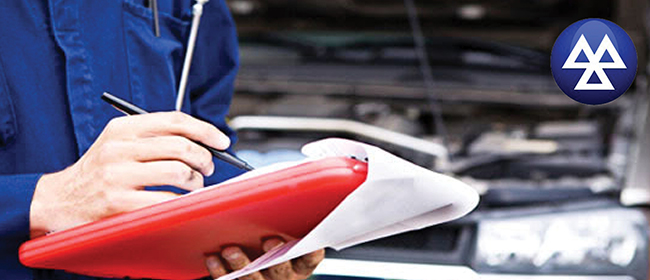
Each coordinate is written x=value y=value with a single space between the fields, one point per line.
x=154 y=62
x=8 y=126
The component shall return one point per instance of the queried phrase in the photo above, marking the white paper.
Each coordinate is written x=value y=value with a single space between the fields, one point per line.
x=253 y=173
x=396 y=197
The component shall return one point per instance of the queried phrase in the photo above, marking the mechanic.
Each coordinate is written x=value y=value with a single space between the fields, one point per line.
x=66 y=158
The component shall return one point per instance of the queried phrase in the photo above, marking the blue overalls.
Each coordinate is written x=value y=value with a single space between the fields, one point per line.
x=58 y=56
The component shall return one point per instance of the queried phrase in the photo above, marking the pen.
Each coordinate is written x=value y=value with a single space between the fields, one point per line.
x=130 y=109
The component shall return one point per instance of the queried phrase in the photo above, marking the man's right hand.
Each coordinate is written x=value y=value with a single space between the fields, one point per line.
x=131 y=153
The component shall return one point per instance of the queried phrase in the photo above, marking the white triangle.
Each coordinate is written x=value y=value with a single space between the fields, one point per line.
x=594 y=65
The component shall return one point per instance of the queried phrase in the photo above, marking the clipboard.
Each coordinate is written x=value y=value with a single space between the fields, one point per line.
x=170 y=240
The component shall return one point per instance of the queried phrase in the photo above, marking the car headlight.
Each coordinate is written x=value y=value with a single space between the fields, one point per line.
x=604 y=241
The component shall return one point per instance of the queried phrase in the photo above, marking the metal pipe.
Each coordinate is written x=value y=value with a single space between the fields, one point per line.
x=197 y=11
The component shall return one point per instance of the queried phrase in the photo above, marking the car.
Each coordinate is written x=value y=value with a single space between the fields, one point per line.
x=563 y=185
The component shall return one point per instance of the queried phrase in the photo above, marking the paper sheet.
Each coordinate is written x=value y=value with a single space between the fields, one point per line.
x=254 y=173
x=396 y=197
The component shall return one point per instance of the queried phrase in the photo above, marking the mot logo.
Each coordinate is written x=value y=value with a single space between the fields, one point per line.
x=594 y=61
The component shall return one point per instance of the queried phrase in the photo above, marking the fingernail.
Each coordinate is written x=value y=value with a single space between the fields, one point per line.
x=271 y=244
x=212 y=262
x=225 y=140
x=232 y=254
x=211 y=170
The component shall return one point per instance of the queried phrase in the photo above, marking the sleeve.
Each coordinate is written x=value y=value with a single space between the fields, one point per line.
x=212 y=76
x=15 y=201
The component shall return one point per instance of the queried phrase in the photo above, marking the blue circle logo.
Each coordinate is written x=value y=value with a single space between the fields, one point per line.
x=594 y=61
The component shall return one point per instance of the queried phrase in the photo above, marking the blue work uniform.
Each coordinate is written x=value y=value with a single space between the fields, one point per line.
x=58 y=56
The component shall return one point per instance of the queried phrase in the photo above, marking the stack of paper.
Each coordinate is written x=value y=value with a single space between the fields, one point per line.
x=397 y=196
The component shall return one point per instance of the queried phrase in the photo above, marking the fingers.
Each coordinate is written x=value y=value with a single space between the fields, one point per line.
x=172 y=123
x=155 y=173
x=306 y=264
x=237 y=260
x=215 y=266
x=131 y=153
x=173 y=148
x=282 y=271
x=158 y=148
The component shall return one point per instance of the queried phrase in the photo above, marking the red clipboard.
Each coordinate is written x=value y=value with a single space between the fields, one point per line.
x=170 y=240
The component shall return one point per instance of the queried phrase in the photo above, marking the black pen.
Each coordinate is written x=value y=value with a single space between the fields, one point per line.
x=130 y=109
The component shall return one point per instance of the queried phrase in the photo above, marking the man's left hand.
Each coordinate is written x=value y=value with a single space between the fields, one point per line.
x=297 y=269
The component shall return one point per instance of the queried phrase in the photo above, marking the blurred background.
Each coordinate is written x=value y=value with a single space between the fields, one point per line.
x=464 y=88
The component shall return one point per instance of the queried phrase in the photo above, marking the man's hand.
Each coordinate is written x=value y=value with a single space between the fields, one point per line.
x=297 y=269
x=131 y=153
x=134 y=152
